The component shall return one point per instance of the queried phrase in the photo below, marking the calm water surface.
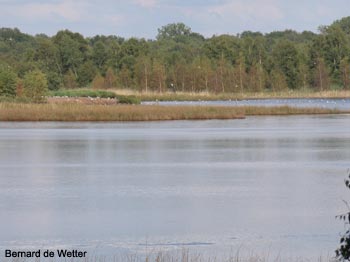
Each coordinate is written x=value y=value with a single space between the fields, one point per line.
x=329 y=103
x=263 y=184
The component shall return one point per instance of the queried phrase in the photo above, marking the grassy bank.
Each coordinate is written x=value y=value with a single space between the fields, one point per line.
x=205 y=96
x=286 y=110
x=122 y=99
x=134 y=97
x=81 y=112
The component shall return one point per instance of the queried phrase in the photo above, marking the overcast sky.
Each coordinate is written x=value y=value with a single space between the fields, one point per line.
x=141 y=18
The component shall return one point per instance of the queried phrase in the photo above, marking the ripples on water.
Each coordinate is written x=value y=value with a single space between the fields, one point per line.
x=328 y=103
x=262 y=183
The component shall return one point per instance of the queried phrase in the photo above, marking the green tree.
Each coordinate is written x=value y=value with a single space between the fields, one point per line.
x=86 y=73
x=286 y=59
x=7 y=82
x=257 y=78
x=173 y=31
x=46 y=54
x=304 y=75
x=344 y=24
x=221 y=73
x=100 y=54
x=35 y=86
x=223 y=46
x=206 y=72
x=54 y=80
x=345 y=72
x=98 y=82
x=336 y=47
x=72 y=50
x=278 y=81
x=125 y=78
x=178 y=75
x=143 y=70
x=321 y=79
x=185 y=60
x=70 y=80
x=110 y=78
x=240 y=73
x=254 y=50
x=158 y=76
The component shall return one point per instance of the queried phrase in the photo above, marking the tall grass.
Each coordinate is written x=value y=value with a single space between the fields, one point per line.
x=206 y=96
x=134 y=97
x=123 y=99
x=287 y=110
x=81 y=112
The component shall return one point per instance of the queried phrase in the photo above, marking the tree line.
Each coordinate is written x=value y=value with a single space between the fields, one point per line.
x=182 y=60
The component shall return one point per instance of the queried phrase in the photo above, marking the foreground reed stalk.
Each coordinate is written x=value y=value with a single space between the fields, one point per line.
x=81 y=112
x=183 y=256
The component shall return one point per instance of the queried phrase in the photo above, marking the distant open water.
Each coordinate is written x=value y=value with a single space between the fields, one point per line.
x=334 y=103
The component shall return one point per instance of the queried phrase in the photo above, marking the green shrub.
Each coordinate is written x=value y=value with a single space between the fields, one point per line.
x=35 y=86
x=21 y=100
x=128 y=100
x=84 y=93
x=7 y=82
x=7 y=99
x=97 y=93
x=54 y=81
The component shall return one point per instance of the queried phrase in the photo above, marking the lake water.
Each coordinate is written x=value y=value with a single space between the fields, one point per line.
x=329 y=103
x=265 y=185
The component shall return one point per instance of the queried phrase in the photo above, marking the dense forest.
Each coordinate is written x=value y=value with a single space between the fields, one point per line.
x=182 y=60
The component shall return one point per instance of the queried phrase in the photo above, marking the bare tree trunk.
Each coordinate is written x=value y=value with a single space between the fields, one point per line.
x=146 y=79
x=320 y=76
x=240 y=77
x=222 y=79
x=183 y=82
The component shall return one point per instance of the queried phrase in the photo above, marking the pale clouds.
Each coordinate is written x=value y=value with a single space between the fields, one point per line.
x=141 y=18
x=116 y=20
x=69 y=10
x=146 y=3
x=235 y=16
x=256 y=9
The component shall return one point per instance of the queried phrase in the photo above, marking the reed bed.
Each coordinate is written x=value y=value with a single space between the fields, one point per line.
x=81 y=112
x=79 y=93
x=287 y=110
x=207 y=96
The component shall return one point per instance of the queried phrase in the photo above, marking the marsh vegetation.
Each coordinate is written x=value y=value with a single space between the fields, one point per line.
x=82 y=112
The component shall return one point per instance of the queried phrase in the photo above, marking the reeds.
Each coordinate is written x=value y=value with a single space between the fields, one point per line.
x=122 y=99
x=287 y=110
x=81 y=112
x=207 y=96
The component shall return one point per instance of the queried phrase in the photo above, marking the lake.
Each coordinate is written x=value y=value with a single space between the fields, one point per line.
x=264 y=185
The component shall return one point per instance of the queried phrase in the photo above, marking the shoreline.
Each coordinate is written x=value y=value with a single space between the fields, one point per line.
x=72 y=112
x=206 y=96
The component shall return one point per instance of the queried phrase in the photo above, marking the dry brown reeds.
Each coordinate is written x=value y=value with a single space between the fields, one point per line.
x=207 y=96
x=81 y=112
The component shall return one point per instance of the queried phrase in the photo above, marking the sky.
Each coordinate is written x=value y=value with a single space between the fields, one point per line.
x=142 y=18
